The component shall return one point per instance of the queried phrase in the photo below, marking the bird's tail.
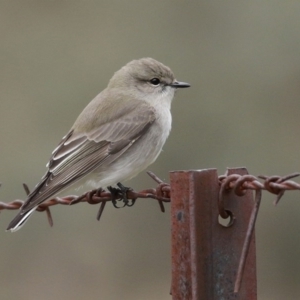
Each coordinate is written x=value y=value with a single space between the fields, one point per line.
x=19 y=220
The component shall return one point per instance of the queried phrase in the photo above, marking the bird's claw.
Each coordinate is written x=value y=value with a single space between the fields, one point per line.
x=120 y=194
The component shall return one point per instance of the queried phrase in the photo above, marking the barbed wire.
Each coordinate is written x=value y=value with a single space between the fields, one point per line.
x=162 y=193
x=239 y=184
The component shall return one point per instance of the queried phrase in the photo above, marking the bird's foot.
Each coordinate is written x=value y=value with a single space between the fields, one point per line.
x=120 y=193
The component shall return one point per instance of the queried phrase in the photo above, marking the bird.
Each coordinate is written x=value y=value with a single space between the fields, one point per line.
x=117 y=135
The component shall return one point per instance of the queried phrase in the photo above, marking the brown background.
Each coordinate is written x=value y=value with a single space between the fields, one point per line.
x=243 y=61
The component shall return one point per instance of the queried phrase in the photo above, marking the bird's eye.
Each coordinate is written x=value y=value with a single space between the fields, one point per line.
x=155 y=81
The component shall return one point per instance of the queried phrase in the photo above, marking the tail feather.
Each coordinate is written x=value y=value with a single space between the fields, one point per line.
x=19 y=220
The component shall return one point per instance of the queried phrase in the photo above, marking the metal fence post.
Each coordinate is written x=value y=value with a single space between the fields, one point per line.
x=205 y=254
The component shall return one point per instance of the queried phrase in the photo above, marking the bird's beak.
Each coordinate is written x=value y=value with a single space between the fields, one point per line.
x=179 y=84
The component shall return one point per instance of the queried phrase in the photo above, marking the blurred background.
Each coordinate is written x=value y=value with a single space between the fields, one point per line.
x=242 y=59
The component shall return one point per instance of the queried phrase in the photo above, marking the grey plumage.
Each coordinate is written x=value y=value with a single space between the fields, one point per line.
x=117 y=135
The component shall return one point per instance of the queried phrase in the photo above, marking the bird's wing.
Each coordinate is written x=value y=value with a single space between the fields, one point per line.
x=78 y=154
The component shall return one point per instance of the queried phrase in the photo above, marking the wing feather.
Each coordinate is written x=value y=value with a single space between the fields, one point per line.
x=80 y=153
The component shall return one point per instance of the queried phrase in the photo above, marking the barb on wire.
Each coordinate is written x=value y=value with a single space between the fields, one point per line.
x=239 y=184
x=161 y=193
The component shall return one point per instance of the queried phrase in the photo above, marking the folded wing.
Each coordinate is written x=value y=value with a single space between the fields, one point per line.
x=80 y=153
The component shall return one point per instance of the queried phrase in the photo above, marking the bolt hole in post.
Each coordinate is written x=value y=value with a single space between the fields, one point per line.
x=227 y=222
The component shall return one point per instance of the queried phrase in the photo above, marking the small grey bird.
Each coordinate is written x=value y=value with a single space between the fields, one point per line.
x=118 y=134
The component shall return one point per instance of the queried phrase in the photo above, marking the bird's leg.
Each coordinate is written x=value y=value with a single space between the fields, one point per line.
x=124 y=191
x=120 y=192
x=114 y=195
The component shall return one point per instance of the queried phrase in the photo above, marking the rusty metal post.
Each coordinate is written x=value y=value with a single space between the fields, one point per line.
x=205 y=254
